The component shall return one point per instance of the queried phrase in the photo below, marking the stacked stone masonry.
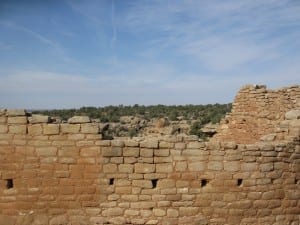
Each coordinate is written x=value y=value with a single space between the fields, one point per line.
x=257 y=111
x=61 y=174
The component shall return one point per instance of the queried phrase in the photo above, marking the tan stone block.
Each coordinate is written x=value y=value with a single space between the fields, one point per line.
x=162 y=152
x=131 y=143
x=165 y=144
x=197 y=166
x=79 y=119
x=142 y=205
x=142 y=183
x=132 y=212
x=123 y=190
x=90 y=128
x=46 y=151
x=233 y=166
x=17 y=129
x=131 y=151
x=149 y=144
x=36 y=118
x=90 y=151
x=117 y=143
x=70 y=128
x=51 y=129
x=146 y=152
x=110 y=168
x=113 y=212
x=167 y=159
x=249 y=166
x=125 y=168
x=122 y=182
x=195 y=145
x=188 y=211
x=3 y=128
x=159 y=212
x=172 y=213
x=130 y=160
x=192 y=152
x=164 y=168
x=180 y=166
x=17 y=120
x=144 y=168
x=166 y=183
x=215 y=165
x=35 y=129
x=180 y=145
x=111 y=151
x=76 y=137
x=15 y=112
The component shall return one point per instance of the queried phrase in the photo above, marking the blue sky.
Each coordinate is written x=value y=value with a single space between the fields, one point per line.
x=64 y=54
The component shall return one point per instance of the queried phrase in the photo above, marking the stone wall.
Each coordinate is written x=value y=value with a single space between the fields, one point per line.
x=256 y=112
x=65 y=174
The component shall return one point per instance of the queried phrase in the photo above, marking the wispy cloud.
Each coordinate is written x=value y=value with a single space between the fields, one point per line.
x=219 y=35
x=58 y=49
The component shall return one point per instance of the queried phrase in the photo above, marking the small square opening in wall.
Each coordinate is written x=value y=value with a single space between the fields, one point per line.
x=154 y=183
x=111 y=181
x=203 y=182
x=9 y=183
x=239 y=182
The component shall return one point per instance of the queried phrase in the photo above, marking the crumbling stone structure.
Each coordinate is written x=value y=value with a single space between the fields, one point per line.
x=61 y=174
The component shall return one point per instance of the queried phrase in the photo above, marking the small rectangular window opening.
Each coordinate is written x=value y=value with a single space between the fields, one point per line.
x=239 y=182
x=204 y=182
x=111 y=181
x=9 y=183
x=154 y=183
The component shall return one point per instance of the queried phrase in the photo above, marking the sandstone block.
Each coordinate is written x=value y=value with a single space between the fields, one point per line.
x=164 y=168
x=144 y=168
x=111 y=151
x=35 y=129
x=51 y=129
x=180 y=166
x=248 y=167
x=112 y=212
x=59 y=220
x=123 y=190
x=131 y=143
x=233 y=166
x=292 y=114
x=110 y=168
x=142 y=205
x=142 y=183
x=36 y=118
x=70 y=128
x=16 y=112
x=117 y=143
x=125 y=168
x=3 y=128
x=162 y=152
x=90 y=128
x=79 y=119
x=132 y=212
x=196 y=166
x=188 y=211
x=195 y=145
x=46 y=151
x=17 y=120
x=149 y=144
x=215 y=165
x=166 y=183
x=159 y=212
x=173 y=213
x=146 y=152
x=17 y=129
x=131 y=151
x=90 y=151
